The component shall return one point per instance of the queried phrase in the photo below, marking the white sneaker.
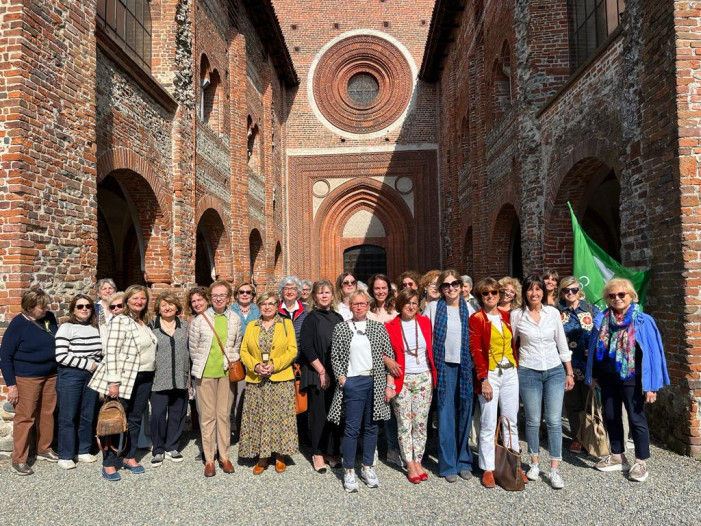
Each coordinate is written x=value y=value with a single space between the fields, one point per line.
x=556 y=479
x=369 y=476
x=87 y=458
x=66 y=464
x=394 y=457
x=533 y=472
x=349 y=482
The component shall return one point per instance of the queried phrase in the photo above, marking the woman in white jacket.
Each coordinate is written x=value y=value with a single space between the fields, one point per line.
x=214 y=334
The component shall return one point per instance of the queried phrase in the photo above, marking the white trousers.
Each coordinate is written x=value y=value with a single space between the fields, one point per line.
x=505 y=388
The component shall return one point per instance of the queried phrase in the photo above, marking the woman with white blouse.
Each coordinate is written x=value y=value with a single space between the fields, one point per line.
x=541 y=375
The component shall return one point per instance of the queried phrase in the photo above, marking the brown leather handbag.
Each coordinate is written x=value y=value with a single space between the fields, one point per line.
x=507 y=462
x=236 y=370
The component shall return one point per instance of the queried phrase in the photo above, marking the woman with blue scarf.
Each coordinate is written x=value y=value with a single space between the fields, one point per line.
x=626 y=360
x=451 y=351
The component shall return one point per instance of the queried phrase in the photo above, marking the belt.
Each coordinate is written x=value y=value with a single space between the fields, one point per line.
x=364 y=373
x=507 y=365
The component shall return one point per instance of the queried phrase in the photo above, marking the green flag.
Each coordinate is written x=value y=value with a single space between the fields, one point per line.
x=593 y=267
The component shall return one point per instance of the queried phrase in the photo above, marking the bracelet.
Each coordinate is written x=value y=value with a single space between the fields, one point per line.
x=570 y=375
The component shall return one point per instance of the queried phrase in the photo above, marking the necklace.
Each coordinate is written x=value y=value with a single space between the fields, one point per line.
x=357 y=331
x=245 y=310
x=415 y=351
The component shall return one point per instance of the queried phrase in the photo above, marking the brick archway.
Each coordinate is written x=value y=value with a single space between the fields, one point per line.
x=581 y=185
x=382 y=202
x=213 y=243
x=502 y=241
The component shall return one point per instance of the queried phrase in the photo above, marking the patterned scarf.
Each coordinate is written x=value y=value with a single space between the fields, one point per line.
x=617 y=340
x=440 y=330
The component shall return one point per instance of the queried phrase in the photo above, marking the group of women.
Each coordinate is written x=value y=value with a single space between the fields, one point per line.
x=382 y=353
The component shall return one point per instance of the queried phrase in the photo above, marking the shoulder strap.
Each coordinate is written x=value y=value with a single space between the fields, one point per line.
x=221 y=345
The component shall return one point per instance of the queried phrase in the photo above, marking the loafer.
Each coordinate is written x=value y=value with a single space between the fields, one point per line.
x=260 y=467
x=48 y=456
x=465 y=474
x=21 y=469
x=280 y=466
x=488 y=479
x=112 y=477
x=226 y=466
x=451 y=478
x=209 y=469
x=136 y=470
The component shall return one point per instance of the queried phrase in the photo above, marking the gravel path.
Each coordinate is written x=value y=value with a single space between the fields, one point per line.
x=179 y=494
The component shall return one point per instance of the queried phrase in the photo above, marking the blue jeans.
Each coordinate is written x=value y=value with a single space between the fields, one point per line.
x=358 y=402
x=76 y=412
x=536 y=387
x=454 y=421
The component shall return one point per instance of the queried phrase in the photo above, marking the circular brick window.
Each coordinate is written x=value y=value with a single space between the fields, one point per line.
x=362 y=84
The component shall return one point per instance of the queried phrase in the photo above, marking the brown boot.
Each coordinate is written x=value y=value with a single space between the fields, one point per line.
x=209 y=469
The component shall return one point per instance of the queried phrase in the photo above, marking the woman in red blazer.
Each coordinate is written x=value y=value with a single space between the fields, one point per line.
x=410 y=334
x=494 y=355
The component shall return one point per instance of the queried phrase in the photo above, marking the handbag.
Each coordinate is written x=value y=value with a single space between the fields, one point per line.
x=592 y=433
x=300 y=396
x=507 y=462
x=236 y=370
x=111 y=420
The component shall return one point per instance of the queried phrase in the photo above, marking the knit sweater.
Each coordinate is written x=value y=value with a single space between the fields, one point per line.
x=172 y=357
x=78 y=345
x=27 y=350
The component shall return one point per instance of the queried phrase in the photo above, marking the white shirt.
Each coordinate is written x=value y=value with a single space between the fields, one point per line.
x=453 y=336
x=496 y=322
x=414 y=364
x=360 y=350
x=344 y=311
x=543 y=345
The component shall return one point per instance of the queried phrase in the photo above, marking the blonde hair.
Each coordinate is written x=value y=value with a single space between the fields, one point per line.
x=568 y=282
x=266 y=296
x=516 y=284
x=144 y=315
x=623 y=283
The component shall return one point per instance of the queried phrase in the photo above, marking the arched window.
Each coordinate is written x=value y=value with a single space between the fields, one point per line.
x=501 y=79
x=128 y=22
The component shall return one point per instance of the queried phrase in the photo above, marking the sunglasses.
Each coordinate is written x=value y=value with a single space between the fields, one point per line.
x=245 y=292
x=117 y=306
x=455 y=284
x=619 y=295
x=486 y=293
x=408 y=284
x=83 y=306
x=349 y=283
x=570 y=290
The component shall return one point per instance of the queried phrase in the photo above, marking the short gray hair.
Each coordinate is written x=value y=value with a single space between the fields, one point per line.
x=102 y=281
x=308 y=283
x=289 y=280
x=467 y=279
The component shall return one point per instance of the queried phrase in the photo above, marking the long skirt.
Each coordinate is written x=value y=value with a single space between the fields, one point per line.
x=268 y=423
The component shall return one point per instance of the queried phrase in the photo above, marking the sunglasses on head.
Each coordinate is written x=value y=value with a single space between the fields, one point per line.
x=117 y=306
x=83 y=306
x=455 y=284
x=619 y=295
x=570 y=290
x=486 y=293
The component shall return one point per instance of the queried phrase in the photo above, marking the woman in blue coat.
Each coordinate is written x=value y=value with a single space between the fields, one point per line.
x=626 y=360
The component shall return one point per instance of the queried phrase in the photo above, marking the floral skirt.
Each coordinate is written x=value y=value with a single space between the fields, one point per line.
x=269 y=422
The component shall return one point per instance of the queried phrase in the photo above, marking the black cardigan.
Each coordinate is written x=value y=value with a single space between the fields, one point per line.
x=315 y=343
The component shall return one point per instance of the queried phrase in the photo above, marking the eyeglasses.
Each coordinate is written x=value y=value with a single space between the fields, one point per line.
x=83 y=306
x=219 y=296
x=348 y=283
x=619 y=295
x=408 y=284
x=433 y=285
x=289 y=289
x=117 y=306
x=486 y=293
x=570 y=290
x=454 y=284
x=412 y=303
x=360 y=304
x=245 y=292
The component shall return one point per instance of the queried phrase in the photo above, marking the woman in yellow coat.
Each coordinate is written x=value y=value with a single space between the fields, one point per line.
x=269 y=423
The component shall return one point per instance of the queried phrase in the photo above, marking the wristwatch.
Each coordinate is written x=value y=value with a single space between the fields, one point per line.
x=392 y=387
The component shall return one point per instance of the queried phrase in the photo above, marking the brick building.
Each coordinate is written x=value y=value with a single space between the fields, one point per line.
x=595 y=103
x=168 y=142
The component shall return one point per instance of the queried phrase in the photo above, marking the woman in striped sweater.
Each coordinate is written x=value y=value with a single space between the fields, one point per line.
x=78 y=351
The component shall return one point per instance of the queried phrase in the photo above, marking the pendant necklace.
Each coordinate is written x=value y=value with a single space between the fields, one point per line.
x=409 y=351
x=357 y=331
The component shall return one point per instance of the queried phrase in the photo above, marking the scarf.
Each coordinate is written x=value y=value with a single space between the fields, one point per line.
x=440 y=330
x=617 y=340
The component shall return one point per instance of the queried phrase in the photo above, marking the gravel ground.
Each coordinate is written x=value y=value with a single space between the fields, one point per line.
x=179 y=494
